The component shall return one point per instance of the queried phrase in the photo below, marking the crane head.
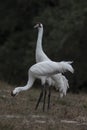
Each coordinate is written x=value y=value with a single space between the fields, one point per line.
x=38 y=25
x=12 y=94
x=15 y=92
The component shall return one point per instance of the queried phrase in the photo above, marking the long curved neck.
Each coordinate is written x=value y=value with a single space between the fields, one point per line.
x=27 y=86
x=39 y=39
x=40 y=55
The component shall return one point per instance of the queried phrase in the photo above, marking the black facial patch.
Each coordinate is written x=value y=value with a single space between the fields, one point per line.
x=39 y=25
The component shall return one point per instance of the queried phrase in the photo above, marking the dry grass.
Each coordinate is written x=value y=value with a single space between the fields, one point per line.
x=69 y=113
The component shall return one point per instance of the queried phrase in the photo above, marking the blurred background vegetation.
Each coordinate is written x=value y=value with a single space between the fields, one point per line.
x=65 y=37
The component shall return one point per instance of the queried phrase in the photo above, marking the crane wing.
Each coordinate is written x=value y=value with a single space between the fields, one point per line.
x=48 y=68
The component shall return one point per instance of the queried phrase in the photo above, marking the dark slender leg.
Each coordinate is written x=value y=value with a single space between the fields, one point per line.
x=49 y=95
x=45 y=92
x=39 y=99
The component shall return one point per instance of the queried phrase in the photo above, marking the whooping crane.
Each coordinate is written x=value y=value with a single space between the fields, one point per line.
x=45 y=68
x=58 y=80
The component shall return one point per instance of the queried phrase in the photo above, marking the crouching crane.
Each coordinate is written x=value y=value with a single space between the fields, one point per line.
x=41 y=69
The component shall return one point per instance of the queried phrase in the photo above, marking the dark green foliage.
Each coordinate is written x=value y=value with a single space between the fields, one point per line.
x=65 y=30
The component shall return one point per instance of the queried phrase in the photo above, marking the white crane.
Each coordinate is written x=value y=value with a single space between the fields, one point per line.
x=45 y=68
x=46 y=71
x=60 y=82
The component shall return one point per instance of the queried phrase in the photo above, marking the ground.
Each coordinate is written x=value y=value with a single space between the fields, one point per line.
x=68 y=113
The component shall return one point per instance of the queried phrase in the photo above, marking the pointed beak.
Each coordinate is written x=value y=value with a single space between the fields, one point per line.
x=36 y=26
x=12 y=94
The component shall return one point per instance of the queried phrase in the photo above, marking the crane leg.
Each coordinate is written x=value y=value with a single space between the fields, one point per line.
x=45 y=92
x=39 y=99
x=49 y=95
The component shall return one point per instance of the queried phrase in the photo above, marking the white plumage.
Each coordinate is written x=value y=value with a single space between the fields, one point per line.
x=50 y=67
x=46 y=68
x=60 y=82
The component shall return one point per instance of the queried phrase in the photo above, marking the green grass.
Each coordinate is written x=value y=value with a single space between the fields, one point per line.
x=19 y=113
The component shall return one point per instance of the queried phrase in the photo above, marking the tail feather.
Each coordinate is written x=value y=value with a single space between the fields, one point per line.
x=61 y=84
x=66 y=66
x=64 y=86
